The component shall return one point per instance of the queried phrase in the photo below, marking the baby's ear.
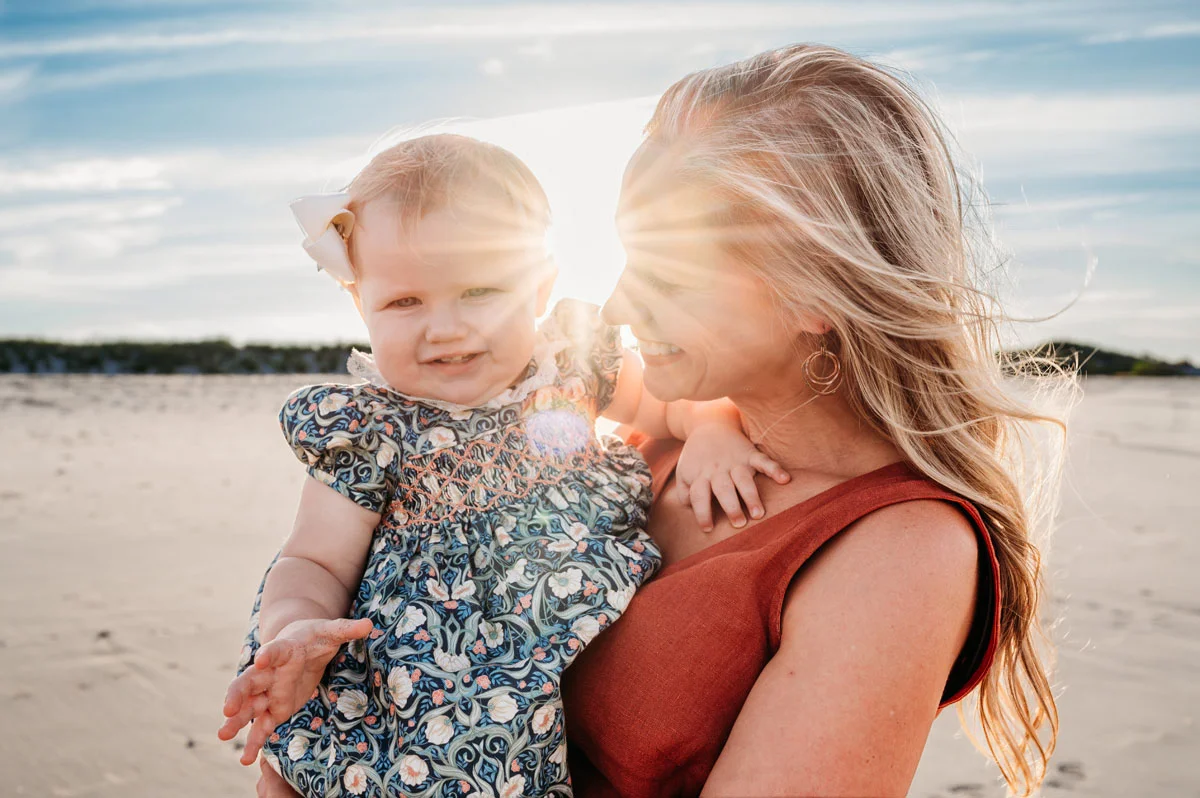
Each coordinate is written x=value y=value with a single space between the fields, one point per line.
x=546 y=285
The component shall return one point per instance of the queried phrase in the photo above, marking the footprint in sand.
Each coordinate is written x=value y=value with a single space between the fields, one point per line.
x=1119 y=618
x=1067 y=776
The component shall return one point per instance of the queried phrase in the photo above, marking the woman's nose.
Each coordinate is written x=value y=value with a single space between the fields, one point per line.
x=618 y=310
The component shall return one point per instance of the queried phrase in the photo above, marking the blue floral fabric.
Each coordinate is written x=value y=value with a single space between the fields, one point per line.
x=509 y=537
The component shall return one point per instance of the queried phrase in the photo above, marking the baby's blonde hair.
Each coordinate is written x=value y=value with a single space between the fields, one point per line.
x=844 y=198
x=428 y=173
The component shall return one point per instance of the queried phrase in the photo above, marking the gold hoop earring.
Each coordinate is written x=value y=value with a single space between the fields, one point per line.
x=826 y=383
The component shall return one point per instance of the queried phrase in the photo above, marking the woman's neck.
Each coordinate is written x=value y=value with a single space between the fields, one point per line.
x=803 y=431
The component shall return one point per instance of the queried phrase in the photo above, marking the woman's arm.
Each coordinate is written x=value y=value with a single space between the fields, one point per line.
x=872 y=625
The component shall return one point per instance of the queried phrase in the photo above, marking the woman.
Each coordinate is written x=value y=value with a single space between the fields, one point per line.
x=796 y=242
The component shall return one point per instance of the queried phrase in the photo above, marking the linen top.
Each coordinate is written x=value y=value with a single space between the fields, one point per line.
x=652 y=702
x=509 y=537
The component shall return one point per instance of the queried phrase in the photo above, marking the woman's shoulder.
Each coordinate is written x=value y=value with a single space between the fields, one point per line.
x=911 y=578
x=887 y=538
x=886 y=605
x=915 y=550
x=903 y=530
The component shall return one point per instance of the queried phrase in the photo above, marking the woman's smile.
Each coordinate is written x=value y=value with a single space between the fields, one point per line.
x=657 y=353
x=657 y=348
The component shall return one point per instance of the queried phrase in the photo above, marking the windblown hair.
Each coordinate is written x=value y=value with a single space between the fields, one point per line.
x=429 y=173
x=844 y=198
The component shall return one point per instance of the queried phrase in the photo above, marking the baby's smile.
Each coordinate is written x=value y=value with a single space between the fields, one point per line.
x=457 y=365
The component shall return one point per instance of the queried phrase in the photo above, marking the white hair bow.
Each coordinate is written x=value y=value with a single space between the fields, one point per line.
x=326 y=225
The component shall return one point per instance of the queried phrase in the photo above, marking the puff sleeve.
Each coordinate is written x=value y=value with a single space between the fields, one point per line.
x=593 y=350
x=336 y=433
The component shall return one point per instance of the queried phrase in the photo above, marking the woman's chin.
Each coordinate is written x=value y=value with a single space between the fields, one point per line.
x=663 y=385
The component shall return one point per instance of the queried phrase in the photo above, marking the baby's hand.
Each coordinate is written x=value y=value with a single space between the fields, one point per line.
x=719 y=460
x=283 y=677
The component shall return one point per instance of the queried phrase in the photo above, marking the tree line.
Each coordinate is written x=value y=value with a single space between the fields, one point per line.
x=219 y=356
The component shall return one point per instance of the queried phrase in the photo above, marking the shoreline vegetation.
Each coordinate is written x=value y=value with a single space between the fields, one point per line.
x=220 y=356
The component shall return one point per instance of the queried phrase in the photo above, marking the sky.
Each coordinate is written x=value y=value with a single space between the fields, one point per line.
x=149 y=148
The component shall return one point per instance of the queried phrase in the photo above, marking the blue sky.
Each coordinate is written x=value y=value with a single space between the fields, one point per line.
x=148 y=148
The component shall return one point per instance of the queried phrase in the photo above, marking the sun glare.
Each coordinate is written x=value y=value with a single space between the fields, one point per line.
x=579 y=155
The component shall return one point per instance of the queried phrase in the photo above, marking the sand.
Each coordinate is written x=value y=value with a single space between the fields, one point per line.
x=136 y=514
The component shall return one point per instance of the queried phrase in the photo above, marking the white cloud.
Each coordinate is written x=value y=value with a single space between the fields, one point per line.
x=1104 y=112
x=86 y=174
x=188 y=218
x=933 y=58
x=15 y=82
x=1024 y=135
x=1170 y=30
x=93 y=248
x=1160 y=231
x=1069 y=205
x=315 y=164
x=385 y=24
x=312 y=35
x=541 y=50
x=1011 y=134
x=493 y=67
x=336 y=323
x=113 y=211
x=1117 y=297
x=110 y=263
x=141 y=70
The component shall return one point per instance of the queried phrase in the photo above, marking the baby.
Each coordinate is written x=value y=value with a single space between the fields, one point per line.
x=463 y=533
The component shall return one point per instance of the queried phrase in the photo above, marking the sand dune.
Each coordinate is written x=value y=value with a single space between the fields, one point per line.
x=136 y=514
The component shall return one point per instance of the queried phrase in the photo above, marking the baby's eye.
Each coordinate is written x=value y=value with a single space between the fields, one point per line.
x=474 y=293
x=404 y=302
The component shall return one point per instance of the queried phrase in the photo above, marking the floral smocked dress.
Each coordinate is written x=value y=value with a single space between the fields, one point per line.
x=510 y=536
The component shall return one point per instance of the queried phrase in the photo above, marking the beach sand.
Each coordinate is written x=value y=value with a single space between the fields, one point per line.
x=137 y=513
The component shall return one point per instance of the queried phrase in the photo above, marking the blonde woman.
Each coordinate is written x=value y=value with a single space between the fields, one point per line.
x=796 y=242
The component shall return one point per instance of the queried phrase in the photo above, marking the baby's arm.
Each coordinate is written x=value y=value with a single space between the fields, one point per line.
x=719 y=460
x=302 y=619
x=632 y=404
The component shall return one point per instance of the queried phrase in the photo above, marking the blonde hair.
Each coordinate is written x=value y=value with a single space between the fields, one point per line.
x=428 y=173
x=843 y=196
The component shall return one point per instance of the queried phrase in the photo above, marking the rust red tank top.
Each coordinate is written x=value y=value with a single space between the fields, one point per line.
x=645 y=715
